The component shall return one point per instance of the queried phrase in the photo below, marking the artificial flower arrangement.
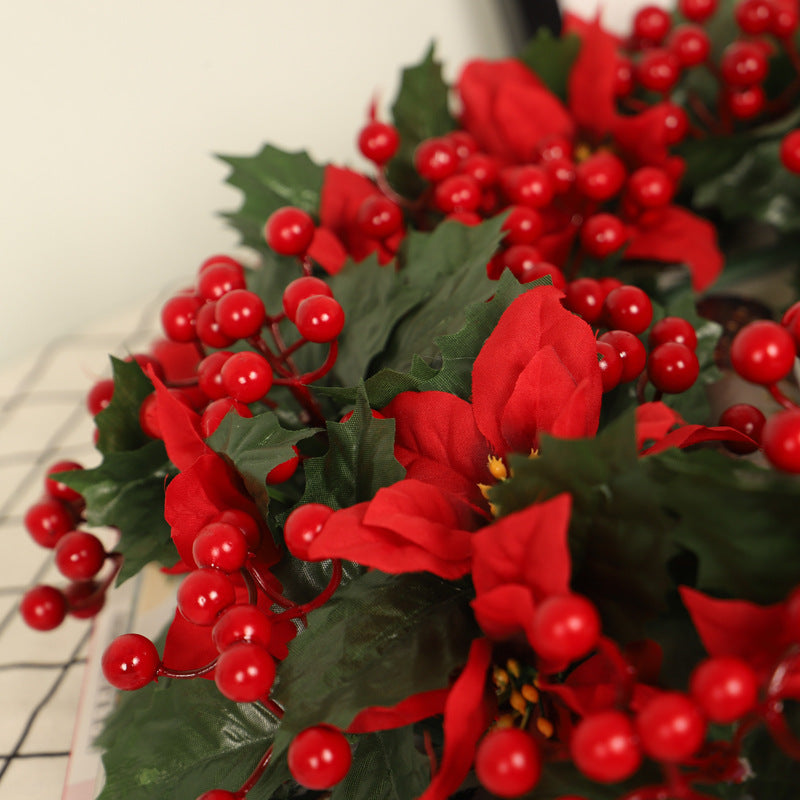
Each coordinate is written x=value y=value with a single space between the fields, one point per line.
x=455 y=504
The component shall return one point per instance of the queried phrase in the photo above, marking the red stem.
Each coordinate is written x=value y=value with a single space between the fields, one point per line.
x=86 y=602
x=255 y=775
x=320 y=599
x=276 y=597
x=166 y=672
x=780 y=397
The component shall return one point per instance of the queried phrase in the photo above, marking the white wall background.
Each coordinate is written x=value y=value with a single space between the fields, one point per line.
x=111 y=113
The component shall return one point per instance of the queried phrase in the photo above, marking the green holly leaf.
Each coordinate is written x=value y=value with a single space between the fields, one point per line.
x=360 y=460
x=127 y=492
x=386 y=766
x=420 y=110
x=270 y=179
x=551 y=58
x=256 y=446
x=618 y=533
x=118 y=423
x=178 y=739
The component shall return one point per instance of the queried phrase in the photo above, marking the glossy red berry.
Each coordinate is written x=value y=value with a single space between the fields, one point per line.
x=601 y=176
x=212 y=261
x=289 y=231
x=780 y=439
x=209 y=375
x=522 y=225
x=604 y=747
x=650 y=187
x=528 y=186
x=753 y=16
x=651 y=24
x=435 y=159
x=208 y=329
x=602 y=234
x=300 y=289
x=610 y=366
x=47 y=521
x=671 y=727
x=746 y=103
x=43 y=608
x=378 y=217
x=790 y=151
x=55 y=488
x=84 y=599
x=725 y=688
x=507 y=762
x=217 y=410
x=130 y=662
x=631 y=351
x=628 y=308
x=746 y=419
x=245 y=523
x=203 y=595
x=303 y=525
x=319 y=318
x=673 y=329
x=562 y=174
x=457 y=193
x=146 y=361
x=672 y=368
x=526 y=265
x=464 y=143
x=763 y=352
x=100 y=395
x=623 y=76
x=565 y=627
x=79 y=555
x=697 y=10
x=743 y=64
x=785 y=18
x=585 y=297
x=482 y=168
x=246 y=376
x=284 y=471
x=658 y=70
x=690 y=45
x=242 y=623
x=240 y=314
x=378 y=141
x=319 y=757
x=218 y=280
x=179 y=317
x=674 y=121
x=244 y=672
x=220 y=545
x=556 y=148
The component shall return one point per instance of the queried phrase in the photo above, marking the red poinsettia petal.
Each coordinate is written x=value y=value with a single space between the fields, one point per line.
x=178 y=359
x=689 y=435
x=504 y=611
x=436 y=440
x=528 y=548
x=533 y=322
x=737 y=627
x=406 y=712
x=642 y=139
x=327 y=250
x=467 y=714
x=555 y=247
x=677 y=236
x=188 y=646
x=653 y=422
x=591 y=82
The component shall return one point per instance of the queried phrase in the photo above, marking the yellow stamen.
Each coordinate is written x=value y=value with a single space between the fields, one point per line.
x=545 y=727
x=582 y=152
x=497 y=468
x=500 y=677
x=493 y=509
x=530 y=693
x=484 y=487
x=534 y=453
x=513 y=667
x=517 y=702
x=505 y=721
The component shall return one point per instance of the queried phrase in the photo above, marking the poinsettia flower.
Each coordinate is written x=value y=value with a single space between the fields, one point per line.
x=339 y=235
x=413 y=709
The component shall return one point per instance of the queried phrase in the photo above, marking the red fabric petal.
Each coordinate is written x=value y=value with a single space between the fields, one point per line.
x=179 y=359
x=653 y=422
x=467 y=714
x=591 y=82
x=535 y=321
x=412 y=709
x=689 y=435
x=642 y=139
x=327 y=250
x=677 y=236
x=505 y=611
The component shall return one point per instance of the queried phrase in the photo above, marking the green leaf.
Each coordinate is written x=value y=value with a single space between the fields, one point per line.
x=420 y=110
x=551 y=58
x=256 y=446
x=127 y=492
x=118 y=423
x=178 y=739
x=270 y=179
x=386 y=766
x=618 y=531
x=360 y=460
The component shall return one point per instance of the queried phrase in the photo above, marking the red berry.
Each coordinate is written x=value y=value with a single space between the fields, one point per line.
x=319 y=757
x=650 y=187
x=378 y=217
x=217 y=410
x=526 y=265
x=43 y=608
x=284 y=471
x=753 y=16
x=604 y=747
x=100 y=396
x=672 y=367
x=556 y=148
x=522 y=226
x=673 y=329
x=565 y=627
x=697 y=10
x=725 y=688
x=602 y=234
x=219 y=279
x=528 y=186
x=601 y=176
x=220 y=545
x=763 y=352
x=84 y=599
x=246 y=376
x=240 y=314
x=610 y=366
x=289 y=231
x=203 y=595
x=631 y=351
x=47 y=521
x=130 y=662
x=785 y=18
x=746 y=103
x=302 y=526
x=179 y=316
x=209 y=375
x=628 y=308
x=651 y=24
x=690 y=45
x=748 y=420
x=378 y=142
x=457 y=193
x=790 y=151
x=219 y=259
x=79 y=555
x=507 y=762
x=464 y=143
x=562 y=174
x=319 y=318
x=242 y=623
x=58 y=490
x=300 y=289
x=623 y=76
x=435 y=159
x=675 y=122
x=144 y=361
x=743 y=64
x=671 y=727
x=482 y=168
x=585 y=297
x=244 y=672
x=245 y=523
x=208 y=329
x=781 y=440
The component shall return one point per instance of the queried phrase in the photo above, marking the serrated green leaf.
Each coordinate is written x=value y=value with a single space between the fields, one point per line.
x=256 y=446
x=270 y=179
x=118 y=423
x=127 y=492
x=178 y=739
x=420 y=110
x=551 y=58
x=360 y=460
